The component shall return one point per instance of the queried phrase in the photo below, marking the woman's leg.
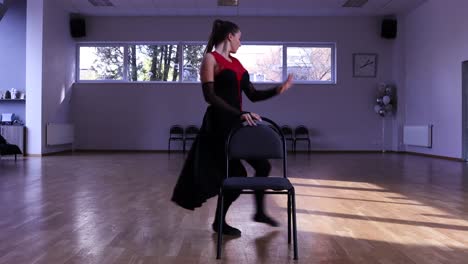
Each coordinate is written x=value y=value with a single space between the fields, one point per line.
x=236 y=169
x=262 y=169
x=229 y=198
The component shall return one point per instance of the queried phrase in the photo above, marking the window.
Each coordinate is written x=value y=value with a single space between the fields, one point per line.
x=263 y=62
x=192 y=59
x=153 y=63
x=310 y=63
x=101 y=63
x=181 y=61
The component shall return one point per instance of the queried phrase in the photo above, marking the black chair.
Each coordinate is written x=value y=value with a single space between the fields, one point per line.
x=288 y=135
x=301 y=133
x=8 y=149
x=176 y=133
x=264 y=141
x=191 y=133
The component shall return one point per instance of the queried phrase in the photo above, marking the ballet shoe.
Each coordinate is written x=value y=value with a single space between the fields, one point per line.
x=227 y=230
x=263 y=218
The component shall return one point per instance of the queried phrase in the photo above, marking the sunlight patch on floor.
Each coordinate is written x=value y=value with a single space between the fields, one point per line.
x=366 y=211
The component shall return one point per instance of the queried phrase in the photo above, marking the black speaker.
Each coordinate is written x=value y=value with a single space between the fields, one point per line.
x=389 y=28
x=77 y=27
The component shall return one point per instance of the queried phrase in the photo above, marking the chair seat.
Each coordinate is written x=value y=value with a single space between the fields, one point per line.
x=257 y=183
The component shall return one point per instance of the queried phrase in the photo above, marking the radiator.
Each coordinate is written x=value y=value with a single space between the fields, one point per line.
x=59 y=134
x=420 y=136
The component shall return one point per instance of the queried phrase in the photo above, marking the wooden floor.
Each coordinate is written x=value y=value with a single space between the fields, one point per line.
x=115 y=208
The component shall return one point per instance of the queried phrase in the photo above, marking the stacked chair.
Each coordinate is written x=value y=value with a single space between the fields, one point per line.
x=288 y=135
x=184 y=135
x=301 y=133
x=190 y=134
x=176 y=133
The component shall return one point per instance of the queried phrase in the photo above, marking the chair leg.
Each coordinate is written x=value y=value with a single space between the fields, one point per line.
x=308 y=146
x=183 y=148
x=289 y=217
x=293 y=196
x=15 y=157
x=169 y=147
x=221 y=221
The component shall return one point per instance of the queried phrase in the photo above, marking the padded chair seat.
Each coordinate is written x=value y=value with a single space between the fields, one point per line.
x=257 y=183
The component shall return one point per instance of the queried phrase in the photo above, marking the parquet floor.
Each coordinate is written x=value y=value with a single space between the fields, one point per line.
x=115 y=208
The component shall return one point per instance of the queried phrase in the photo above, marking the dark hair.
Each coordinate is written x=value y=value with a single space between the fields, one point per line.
x=221 y=29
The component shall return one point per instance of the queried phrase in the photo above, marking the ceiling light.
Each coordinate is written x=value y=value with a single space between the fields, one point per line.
x=354 y=3
x=228 y=2
x=101 y=2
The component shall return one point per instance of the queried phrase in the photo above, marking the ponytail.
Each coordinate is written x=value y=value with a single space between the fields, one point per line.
x=221 y=29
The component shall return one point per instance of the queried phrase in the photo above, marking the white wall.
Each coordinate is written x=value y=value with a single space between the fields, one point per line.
x=58 y=68
x=138 y=116
x=50 y=71
x=436 y=44
x=13 y=55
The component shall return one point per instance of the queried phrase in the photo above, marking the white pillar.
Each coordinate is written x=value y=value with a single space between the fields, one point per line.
x=34 y=82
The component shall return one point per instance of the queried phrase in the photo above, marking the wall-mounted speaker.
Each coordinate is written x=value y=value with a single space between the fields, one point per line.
x=3 y=9
x=389 y=28
x=77 y=27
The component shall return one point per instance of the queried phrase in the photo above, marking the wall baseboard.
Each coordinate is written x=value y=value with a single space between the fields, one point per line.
x=380 y=151
x=289 y=152
x=125 y=151
x=432 y=156
x=49 y=153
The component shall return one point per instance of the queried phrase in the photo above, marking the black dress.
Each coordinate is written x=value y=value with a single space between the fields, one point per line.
x=205 y=166
x=8 y=149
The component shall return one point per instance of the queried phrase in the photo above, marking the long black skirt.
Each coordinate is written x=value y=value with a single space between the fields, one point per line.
x=205 y=166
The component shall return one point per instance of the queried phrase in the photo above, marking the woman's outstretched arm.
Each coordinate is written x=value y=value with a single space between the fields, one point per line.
x=255 y=95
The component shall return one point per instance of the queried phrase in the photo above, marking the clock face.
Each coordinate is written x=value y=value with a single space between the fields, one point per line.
x=364 y=65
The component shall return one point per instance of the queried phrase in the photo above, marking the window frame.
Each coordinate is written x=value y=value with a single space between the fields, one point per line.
x=180 y=44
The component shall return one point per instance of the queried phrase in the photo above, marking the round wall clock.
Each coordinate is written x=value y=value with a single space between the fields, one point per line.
x=364 y=65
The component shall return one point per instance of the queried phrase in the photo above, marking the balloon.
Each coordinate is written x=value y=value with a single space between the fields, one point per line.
x=386 y=99
x=379 y=100
x=377 y=108
x=388 y=108
x=382 y=112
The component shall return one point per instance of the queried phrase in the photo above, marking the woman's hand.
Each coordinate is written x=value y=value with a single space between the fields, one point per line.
x=251 y=118
x=286 y=85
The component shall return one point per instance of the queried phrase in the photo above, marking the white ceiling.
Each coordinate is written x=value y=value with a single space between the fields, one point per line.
x=245 y=8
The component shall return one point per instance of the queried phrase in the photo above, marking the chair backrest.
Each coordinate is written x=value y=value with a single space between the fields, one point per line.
x=176 y=130
x=191 y=130
x=287 y=131
x=301 y=132
x=263 y=141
